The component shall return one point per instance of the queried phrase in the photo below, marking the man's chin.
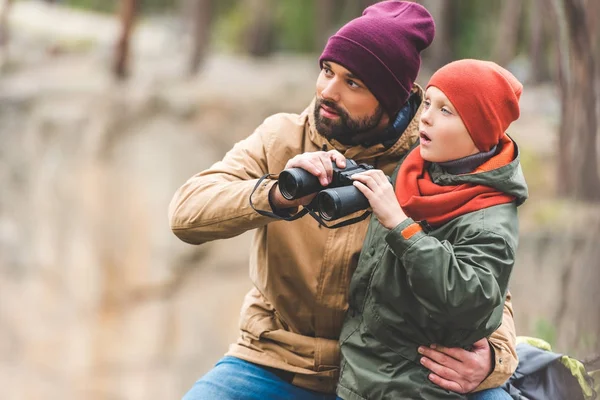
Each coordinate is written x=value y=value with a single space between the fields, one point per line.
x=344 y=139
x=324 y=128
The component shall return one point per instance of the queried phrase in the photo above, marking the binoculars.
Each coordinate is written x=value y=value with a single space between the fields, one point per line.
x=338 y=199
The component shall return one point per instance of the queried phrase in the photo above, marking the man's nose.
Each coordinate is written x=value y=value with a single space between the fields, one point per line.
x=331 y=90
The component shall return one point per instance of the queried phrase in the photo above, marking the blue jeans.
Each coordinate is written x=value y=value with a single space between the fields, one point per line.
x=235 y=379
x=490 y=394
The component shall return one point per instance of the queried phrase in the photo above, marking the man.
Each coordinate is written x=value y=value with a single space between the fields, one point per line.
x=366 y=108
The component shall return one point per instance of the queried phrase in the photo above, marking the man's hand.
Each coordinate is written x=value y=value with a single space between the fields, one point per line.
x=457 y=369
x=318 y=163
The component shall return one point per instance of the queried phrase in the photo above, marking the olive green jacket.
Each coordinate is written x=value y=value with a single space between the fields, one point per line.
x=446 y=286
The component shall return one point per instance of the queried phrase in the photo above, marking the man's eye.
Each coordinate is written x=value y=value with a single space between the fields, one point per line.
x=353 y=84
x=327 y=71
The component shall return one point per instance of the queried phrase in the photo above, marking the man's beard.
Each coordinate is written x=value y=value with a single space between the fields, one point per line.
x=345 y=129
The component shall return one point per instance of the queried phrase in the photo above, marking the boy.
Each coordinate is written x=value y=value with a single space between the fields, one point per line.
x=437 y=258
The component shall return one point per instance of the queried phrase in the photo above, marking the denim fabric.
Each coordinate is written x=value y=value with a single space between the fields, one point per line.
x=490 y=394
x=235 y=379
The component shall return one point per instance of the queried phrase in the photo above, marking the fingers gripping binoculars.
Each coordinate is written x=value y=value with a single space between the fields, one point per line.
x=338 y=199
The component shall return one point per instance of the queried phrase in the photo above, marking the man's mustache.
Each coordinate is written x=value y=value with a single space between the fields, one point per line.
x=331 y=105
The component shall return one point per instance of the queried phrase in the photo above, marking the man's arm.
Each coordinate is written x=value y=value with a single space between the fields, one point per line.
x=488 y=365
x=504 y=344
x=214 y=203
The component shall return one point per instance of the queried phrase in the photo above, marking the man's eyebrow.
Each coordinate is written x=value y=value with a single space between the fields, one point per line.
x=352 y=76
x=348 y=74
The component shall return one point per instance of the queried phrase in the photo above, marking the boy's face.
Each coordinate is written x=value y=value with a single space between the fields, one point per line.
x=345 y=109
x=443 y=134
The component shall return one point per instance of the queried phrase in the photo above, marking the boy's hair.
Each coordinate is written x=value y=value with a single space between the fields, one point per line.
x=485 y=95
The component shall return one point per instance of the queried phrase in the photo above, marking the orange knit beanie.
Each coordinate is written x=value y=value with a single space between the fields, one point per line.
x=485 y=95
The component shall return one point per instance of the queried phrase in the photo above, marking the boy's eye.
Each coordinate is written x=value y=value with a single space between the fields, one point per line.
x=446 y=111
x=426 y=103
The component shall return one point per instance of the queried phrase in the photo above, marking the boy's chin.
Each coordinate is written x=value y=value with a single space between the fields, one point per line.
x=426 y=154
x=430 y=155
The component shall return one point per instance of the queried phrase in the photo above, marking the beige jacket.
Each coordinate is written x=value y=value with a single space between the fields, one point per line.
x=292 y=317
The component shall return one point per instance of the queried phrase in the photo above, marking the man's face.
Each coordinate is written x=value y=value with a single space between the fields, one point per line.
x=345 y=109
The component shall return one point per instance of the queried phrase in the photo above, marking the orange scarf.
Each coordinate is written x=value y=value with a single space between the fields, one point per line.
x=423 y=200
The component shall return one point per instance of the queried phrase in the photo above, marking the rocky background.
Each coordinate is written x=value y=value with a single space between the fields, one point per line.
x=99 y=300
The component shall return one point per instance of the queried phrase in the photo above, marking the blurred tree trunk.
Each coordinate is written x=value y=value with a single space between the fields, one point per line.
x=259 y=34
x=201 y=12
x=324 y=22
x=538 y=46
x=441 y=51
x=505 y=48
x=127 y=13
x=4 y=32
x=578 y=174
x=366 y=3
x=593 y=10
x=329 y=12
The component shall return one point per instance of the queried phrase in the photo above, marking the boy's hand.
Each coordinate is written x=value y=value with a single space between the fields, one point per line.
x=457 y=369
x=376 y=187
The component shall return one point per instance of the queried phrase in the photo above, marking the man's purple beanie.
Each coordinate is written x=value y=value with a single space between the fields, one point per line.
x=382 y=47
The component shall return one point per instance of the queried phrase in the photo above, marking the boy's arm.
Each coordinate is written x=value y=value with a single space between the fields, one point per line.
x=459 y=283
x=214 y=203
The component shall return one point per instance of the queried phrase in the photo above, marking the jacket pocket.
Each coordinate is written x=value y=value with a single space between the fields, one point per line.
x=258 y=316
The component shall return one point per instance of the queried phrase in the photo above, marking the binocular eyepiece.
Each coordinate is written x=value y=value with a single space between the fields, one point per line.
x=338 y=199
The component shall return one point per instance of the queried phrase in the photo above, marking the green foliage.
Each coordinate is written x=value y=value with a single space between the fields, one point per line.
x=545 y=330
x=229 y=27
x=474 y=28
x=107 y=6
x=473 y=23
x=76 y=45
x=586 y=344
x=550 y=213
x=296 y=25
x=110 y=6
x=539 y=171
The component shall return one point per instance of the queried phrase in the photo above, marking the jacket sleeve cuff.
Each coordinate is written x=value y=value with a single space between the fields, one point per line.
x=282 y=212
x=504 y=366
x=403 y=236
x=503 y=345
x=260 y=200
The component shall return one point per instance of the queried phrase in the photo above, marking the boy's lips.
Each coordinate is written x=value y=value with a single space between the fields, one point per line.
x=424 y=139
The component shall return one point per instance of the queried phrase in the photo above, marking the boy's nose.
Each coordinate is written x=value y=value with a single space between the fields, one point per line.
x=425 y=117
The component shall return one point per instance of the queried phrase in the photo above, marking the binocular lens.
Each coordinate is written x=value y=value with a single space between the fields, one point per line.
x=295 y=183
x=335 y=203
x=328 y=205
x=339 y=199
x=288 y=186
